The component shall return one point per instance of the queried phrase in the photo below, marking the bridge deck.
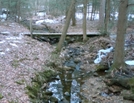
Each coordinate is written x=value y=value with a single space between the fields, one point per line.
x=59 y=34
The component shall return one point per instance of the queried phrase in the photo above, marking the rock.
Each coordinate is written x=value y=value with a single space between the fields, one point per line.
x=67 y=68
x=65 y=101
x=114 y=89
x=67 y=56
x=77 y=60
x=102 y=67
x=67 y=94
x=96 y=74
x=103 y=94
x=49 y=93
x=53 y=100
x=127 y=95
x=82 y=67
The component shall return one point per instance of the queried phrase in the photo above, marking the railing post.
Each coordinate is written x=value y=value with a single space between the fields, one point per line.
x=31 y=28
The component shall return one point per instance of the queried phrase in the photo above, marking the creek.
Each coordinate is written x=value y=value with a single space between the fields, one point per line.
x=66 y=86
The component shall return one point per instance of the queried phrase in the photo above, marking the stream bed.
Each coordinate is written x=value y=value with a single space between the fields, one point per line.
x=67 y=84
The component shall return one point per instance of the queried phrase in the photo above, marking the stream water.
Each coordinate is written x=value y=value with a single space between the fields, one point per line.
x=66 y=87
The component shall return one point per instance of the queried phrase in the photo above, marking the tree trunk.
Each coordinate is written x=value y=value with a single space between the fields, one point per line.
x=84 y=21
x=18 y=11
x=107 y=15
x=102 y=14
x=91 y=17
x=62 y=38
x=121 y=30
x=73 y=17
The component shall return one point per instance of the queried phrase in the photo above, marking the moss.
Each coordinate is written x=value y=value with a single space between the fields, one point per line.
x=131 y=83
x=36 y=93
x=1 y=96
x=20 y=82
x=101 y=67
x=15 y=63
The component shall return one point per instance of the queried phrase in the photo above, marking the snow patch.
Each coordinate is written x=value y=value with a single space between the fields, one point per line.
x=3 y=41
x=3 y=16
x=7 y=49
x=101 y=54
x=14 y=38
x=129 y=62
x=46 y=20
x=5 y=33
x=2 y=53
x=41 y=14
x=13 y=45
x=39 y=22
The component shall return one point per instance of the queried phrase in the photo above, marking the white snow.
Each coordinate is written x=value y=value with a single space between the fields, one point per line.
x=80 y=16
x=80 y=5
x=2 y=53
x=101 y=54
x=46 y=20
x=129 y=62
x=4 y=16
x=41 y=14
x=12 y=44
x=7 y=49
x=3 y=41
x=39 y=22
x=14 y=38
x=6 y=33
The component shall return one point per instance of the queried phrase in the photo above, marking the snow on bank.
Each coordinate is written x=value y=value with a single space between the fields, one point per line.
x=39 y=22
x=80 y=16
x=129 y=62
x=101 y=54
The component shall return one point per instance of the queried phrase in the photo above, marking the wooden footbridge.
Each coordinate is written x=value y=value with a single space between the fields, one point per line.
x=59 y=34
x=53 y=38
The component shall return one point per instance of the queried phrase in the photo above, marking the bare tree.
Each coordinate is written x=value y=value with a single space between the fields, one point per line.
x=107 y=18
x=73 y=17
x=102 y=14
x=69 y=15
x=121 y=30
x=84 y=21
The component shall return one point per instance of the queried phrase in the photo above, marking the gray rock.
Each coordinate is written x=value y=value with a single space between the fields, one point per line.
x=77 y=60
x=67 y=94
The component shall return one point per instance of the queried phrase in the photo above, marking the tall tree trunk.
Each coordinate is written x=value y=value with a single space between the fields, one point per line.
x=73 y=17
x=62 y=38
x=84 y=21
x=121 y=30
x=91 y=17
x=18 y=11
x=102 y=14
x=107 y=15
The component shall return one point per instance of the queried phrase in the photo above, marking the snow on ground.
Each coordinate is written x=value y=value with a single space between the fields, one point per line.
x=101 y=54
x=129 y=62
x=79 y=16
x=39 y=22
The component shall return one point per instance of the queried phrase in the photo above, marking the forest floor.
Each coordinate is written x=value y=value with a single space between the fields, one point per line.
x=22 y=56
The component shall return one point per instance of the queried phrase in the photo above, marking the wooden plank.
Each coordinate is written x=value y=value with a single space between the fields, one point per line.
x=59 y=34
